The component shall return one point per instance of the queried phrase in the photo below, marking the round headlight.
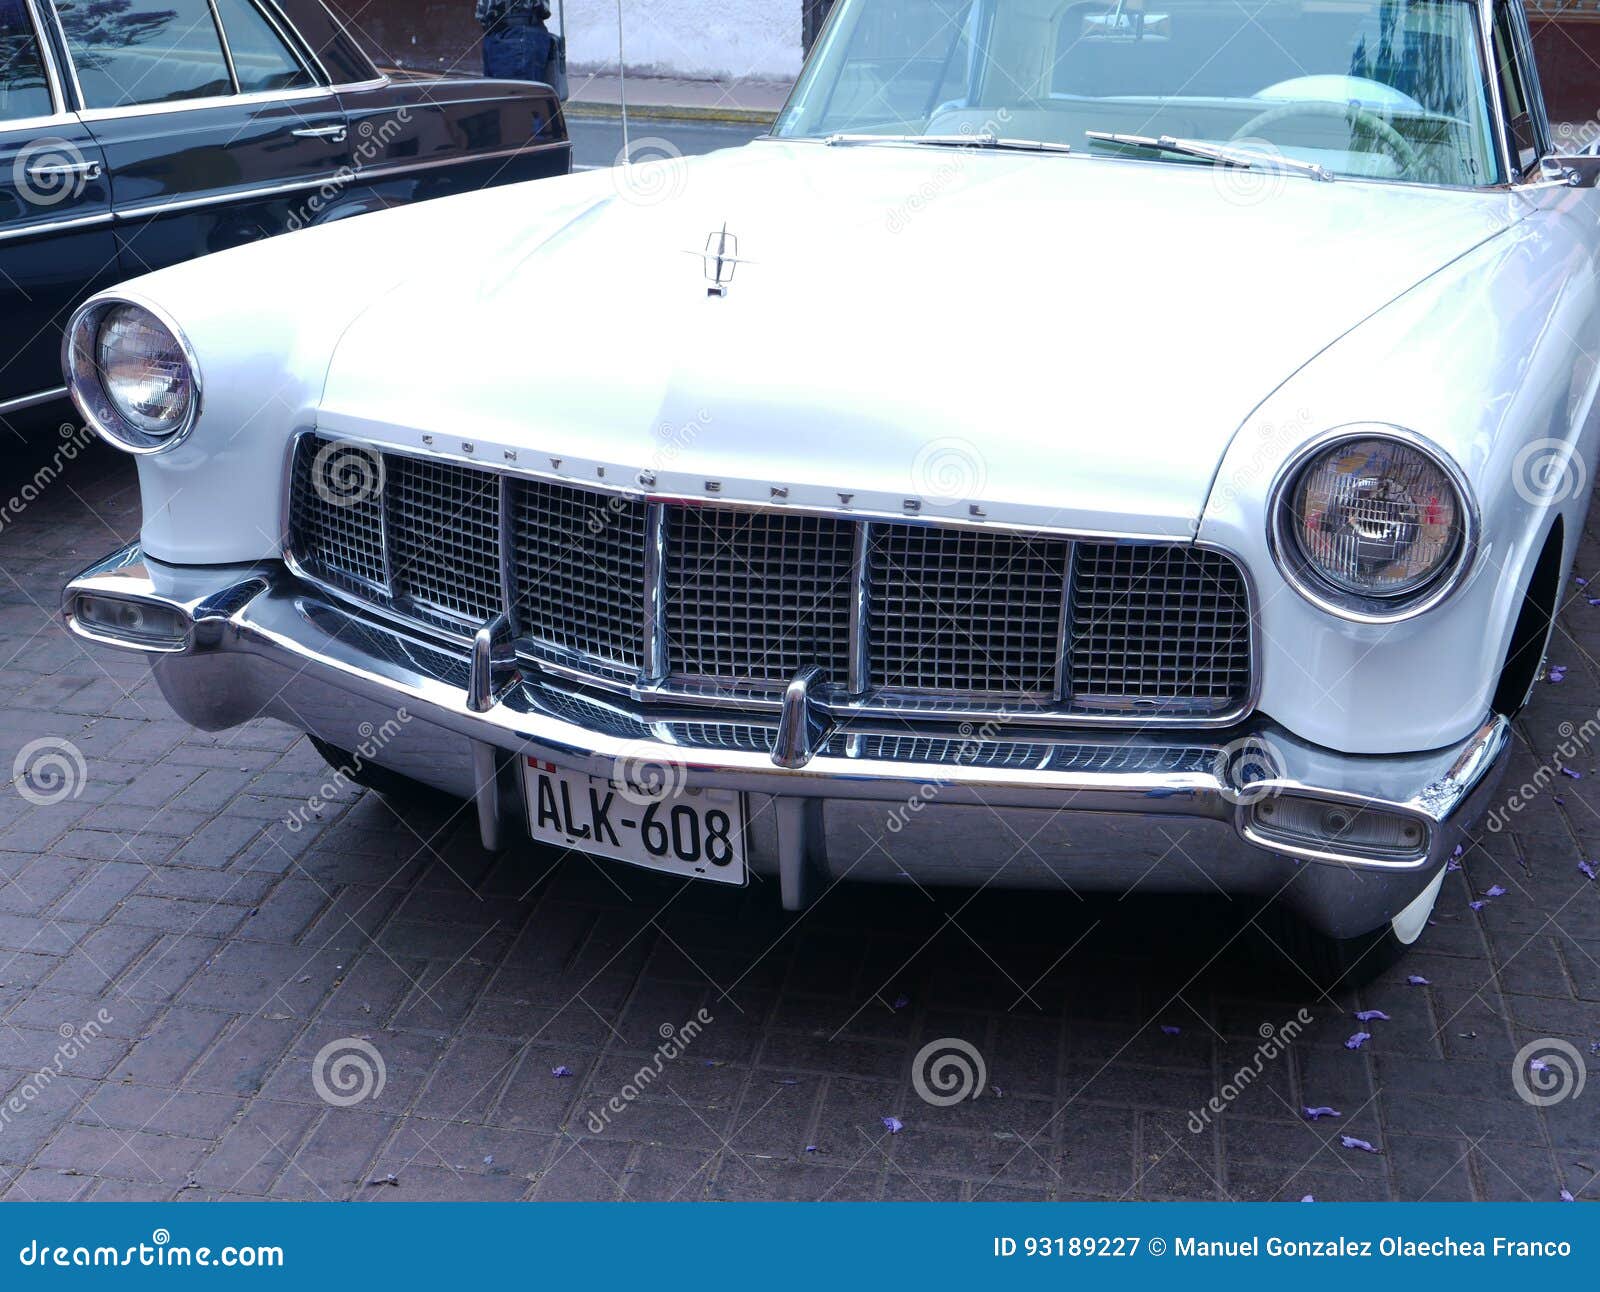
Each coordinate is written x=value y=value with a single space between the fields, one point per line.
x=1373 y=524
x=132 y=376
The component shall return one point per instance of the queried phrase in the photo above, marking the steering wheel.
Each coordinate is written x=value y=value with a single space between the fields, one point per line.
x=1362 y=121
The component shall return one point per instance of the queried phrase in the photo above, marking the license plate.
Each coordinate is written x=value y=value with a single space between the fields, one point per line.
x=697 y=833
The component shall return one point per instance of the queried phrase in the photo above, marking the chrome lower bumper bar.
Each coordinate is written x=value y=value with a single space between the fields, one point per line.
x=1012 y=806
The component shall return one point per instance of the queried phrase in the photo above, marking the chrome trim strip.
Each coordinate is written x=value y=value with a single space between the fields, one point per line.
x=403 y=168
x=52 y=73
x=1303 y=578
x=200 y=105
x=860 y=663
x=656 y=650
x=654 y=688
x=55 y=226
x=33 y=400
x=508 y=582
x=1502 y=125
x=227 y=49
x=1063 y=692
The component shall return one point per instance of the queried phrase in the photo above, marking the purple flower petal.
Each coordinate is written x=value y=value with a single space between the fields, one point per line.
x=1566 y=1196
x=1460 y=848
x=1358 y=1040
x=1495 y=891
x=1308 y=1198
x=1582 y=583
x=1477 y=906
x=1537 y=1065
x=901 y=1001
x=562 y=1071
x=1567 y=771
x=1594 y=601
x=1367 y=1015
x=1350 y=1141
x=1170 y=1030
x=1452 y=864
x=1417 y=980
x=1558 y=800
x=811 y=1148
x=1313 y=1114
x=893 y=1125
x=1587 y=867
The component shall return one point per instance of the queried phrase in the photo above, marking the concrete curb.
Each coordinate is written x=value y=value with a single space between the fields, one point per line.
x=669 y=112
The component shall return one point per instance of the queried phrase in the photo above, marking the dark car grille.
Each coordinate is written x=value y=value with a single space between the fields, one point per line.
x=921 y=617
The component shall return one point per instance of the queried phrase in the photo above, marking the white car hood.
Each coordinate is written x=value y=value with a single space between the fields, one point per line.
x=1066 y=341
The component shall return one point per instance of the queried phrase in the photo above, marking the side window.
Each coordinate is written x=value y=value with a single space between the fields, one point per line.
x=1521 y=129
x=23 y=91
x=144 y=51
x=260 y=58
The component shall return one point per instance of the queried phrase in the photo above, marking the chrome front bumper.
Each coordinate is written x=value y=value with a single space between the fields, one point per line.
x=880 y=801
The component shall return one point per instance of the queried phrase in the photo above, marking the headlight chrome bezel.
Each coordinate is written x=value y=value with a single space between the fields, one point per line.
x=1321 y=591
x=79 y=359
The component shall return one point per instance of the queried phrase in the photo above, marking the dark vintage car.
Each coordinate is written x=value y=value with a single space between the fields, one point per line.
x=138 y=133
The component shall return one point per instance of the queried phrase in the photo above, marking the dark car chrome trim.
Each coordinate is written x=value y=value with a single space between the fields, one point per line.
x=52 y=73
x=33 y=400
x=653 y=687
x=55 y=226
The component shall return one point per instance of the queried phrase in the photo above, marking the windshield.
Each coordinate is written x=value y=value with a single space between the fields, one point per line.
x=1383 y=89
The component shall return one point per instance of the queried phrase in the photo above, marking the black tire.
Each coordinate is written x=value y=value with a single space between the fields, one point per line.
x=1333 y=964
x=380 y=780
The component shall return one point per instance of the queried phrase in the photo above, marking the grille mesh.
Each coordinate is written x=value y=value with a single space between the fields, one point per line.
x=335 y=513
x=754 y=597
x=1159 y=623
x=579 y=571
x=444 y=541
x=965 y=612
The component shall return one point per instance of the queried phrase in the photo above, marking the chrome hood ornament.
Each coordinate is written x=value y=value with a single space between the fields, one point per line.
x=721 y=257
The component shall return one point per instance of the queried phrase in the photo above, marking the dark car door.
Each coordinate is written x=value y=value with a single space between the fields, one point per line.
x=55 y=213
x=213 y=123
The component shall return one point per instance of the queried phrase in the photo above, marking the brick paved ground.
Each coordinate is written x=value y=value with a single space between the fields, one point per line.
x=226 y=952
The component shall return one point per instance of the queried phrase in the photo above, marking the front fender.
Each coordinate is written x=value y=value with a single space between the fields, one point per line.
x=1492 y=360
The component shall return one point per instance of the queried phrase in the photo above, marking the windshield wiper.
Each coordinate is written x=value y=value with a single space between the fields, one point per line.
x=954 y=141
x=1228 y=156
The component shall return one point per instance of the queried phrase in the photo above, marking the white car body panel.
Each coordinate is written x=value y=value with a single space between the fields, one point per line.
x=1129 y=347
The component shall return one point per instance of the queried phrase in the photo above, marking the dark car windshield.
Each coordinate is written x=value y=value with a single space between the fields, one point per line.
x=1386 y=89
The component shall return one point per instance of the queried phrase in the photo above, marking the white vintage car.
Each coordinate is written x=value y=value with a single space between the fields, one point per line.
x=1083 y=447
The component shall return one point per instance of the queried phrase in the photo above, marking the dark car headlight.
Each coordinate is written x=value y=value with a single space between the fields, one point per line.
x=1373 y=524
x=132 y=375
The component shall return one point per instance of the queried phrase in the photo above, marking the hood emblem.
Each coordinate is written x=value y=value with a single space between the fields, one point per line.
x=721 y=257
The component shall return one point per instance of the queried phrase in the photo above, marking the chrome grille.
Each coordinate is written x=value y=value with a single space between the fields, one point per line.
x=966 y=612
x=754 y=597
x=922 y=619
x=336 y=512
x=444 y=541
x=1158 y=624
x=578 y=572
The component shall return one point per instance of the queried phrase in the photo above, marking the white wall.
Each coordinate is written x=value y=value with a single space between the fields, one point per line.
x=713 y=39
